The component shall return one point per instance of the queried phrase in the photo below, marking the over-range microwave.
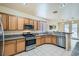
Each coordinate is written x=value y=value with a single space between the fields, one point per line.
x=30 y=27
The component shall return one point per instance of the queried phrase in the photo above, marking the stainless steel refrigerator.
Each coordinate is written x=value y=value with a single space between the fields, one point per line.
x=1 y=38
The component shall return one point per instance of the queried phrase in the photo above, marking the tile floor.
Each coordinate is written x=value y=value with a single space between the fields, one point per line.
x=46 y=50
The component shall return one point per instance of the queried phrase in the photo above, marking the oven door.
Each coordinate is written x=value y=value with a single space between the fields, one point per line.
x=30 y=42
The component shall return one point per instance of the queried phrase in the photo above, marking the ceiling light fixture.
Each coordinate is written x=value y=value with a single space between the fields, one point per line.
x=63 y=5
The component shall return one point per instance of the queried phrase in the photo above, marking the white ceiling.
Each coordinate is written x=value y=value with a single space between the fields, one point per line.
x=44 y=10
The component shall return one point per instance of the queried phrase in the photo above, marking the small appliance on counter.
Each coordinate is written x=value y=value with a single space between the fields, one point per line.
x=30 y=41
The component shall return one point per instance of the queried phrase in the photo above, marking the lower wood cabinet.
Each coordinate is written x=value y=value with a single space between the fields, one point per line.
x=48 y=39
x=42 y=40
x=38 y=41
x=20 y=45
x=54 y=40
x=10 y=48
x=1 y=47
x=13 y=47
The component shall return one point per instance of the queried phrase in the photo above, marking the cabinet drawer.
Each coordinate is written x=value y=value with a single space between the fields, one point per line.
x=20 y=40
x=10 y=42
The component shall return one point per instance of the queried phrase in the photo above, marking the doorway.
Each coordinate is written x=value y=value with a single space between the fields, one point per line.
x=74 y=35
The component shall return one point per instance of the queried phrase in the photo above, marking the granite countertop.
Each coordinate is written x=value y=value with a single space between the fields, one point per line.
x=75 y=38
x=10 y=37
x=52 y=34
x=75 y=51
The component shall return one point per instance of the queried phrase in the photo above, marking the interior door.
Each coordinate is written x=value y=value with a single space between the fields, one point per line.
x=1 y=38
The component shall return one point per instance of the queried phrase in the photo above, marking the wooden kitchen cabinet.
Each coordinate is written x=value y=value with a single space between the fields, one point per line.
x=13 y=22
x=38 y=25
x=10 y=48
x=20 y=45
x=38 y=41
x=26 y=21
x=42 y=40
x=20 y=23
x=48 y=39
x=54 y=39
x=35 y=25
x=31 y=21
x=1 y=47
x=5 y=21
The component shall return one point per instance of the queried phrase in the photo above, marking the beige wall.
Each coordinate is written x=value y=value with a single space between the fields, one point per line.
x=52 y=22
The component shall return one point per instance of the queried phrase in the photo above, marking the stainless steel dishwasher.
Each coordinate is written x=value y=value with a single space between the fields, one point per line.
x=61 y=40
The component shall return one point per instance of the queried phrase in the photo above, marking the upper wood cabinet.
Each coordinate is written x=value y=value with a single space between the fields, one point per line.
x=13 y=22
x=26 y=21
x=38 y=25
x=5 y=21
x=35 y=25
x=31 y=21
x=20 y=23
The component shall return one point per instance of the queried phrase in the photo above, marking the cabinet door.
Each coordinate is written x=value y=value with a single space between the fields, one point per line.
x=26 y=21
x=20 y=45
x=5 y=21
x=38 y=25
x=1 y=48
x=13 y=23
x=42 y=40
x=48 y=39
x=54 y=40
x=31 y=22
x=35 y=25
x=20 y=23
x=38 y=41
x=10 y=48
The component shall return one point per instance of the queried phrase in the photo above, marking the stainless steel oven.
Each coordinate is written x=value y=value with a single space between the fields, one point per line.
x=30 y=41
